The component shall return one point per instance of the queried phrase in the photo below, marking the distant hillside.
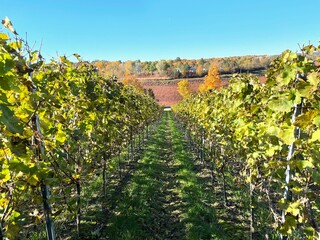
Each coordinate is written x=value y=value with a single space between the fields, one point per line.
x=166 y=93
x=183 y=68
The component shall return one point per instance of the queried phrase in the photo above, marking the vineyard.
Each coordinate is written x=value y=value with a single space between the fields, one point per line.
x=61 y=125
x=85 y=157
x=263 y=140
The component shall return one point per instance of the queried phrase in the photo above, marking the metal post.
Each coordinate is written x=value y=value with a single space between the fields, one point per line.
x=47 y=212
x=40 y=150
x=287 y=193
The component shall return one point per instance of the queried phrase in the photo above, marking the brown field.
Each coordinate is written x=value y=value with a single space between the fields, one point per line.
x=166 y=93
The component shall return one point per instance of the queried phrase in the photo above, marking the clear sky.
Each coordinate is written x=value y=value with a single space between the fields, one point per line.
x=164 y=29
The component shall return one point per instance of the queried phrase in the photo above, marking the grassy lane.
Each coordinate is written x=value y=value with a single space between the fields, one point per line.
x=149 y=206
x=164 y=199
x=163 y=194
x=199 y=215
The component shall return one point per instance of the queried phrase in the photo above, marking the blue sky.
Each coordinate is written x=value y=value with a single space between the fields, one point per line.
x=165 y=29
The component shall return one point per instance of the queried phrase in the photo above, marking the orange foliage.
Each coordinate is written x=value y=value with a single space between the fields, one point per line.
x=212 y=80
x=132 y=81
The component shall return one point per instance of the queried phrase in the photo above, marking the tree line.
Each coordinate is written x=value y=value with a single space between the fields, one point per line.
x=182 y=68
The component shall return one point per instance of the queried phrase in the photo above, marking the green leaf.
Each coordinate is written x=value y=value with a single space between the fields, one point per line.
x=309 y=49
x=287 y=135
x=286 y=77
x=289 y=224
x=273 y=130
x=19 y=149
x=4 y=83
x=310 y=232
x=297 y=190
x=282 y=104
x=305 y=89
x=11 y=122
x=303 y=164
x=314 y=79
x=283 y=204
x=272 y=150
x=33 y=180
x=292 y=56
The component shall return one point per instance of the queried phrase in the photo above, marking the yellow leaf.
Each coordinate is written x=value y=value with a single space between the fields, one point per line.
x=287 y=135
x=5 y=175
x=4 y=36
x=3 y=202
x=315 y=136
x=294 y=208
x=33 y=180
x=61 y=135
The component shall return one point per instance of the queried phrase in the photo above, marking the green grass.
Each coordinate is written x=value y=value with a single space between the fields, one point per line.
x=200 y=216
x=165 y=198
x=165 y=195
x=143 y=211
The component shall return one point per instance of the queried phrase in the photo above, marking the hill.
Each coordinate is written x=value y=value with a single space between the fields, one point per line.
x=166 y=93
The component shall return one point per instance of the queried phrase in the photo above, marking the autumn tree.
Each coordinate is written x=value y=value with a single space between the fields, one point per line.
x=100 y=65
x=114 y=69
x=129 y=80
x=181 y=68
x=162 y=67
x=199 y=69
x=137 y=67
x=152 y=67
x=212 y=80
x=184 y=88
x=128 y=67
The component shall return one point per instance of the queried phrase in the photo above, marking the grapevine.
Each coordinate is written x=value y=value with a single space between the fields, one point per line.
x=250 y=127
x=84 y=121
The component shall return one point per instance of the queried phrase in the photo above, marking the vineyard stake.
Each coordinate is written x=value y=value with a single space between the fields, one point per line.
x=287 y=192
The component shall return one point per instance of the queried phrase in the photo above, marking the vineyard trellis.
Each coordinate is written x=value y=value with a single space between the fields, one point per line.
x=254 y=138
x=260 y=136
x=61 y=123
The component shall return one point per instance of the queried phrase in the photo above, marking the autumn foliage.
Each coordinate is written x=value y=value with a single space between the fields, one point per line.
x=212 y=80
x=132 y=81
x=181 y=68
x=184 y=88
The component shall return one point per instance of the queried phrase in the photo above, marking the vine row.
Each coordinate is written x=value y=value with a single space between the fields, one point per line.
x=61 y=124
x=265 y=140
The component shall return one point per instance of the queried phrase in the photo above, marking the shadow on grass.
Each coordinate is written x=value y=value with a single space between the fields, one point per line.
x=200 y=216
x=150 y=205
x=166 y=195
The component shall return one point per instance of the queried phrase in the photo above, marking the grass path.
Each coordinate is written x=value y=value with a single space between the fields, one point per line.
x=164 y=199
